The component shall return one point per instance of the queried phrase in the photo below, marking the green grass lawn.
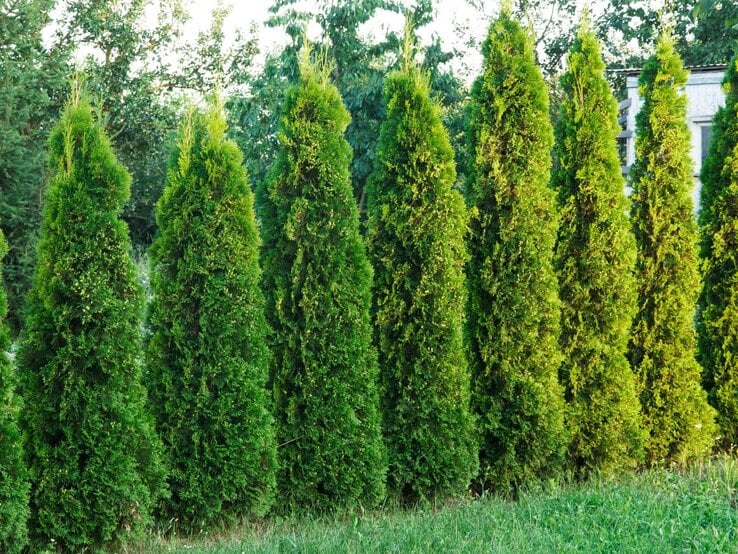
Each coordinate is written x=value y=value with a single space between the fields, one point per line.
x=657 y=511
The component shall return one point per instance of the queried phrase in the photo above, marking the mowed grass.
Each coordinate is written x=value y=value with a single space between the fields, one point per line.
x=657 y=511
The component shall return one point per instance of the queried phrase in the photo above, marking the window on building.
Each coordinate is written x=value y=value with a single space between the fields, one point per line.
x=706 y=138
x=623 y=150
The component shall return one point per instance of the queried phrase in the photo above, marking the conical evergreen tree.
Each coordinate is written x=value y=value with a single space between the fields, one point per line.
x=595 y=259
x=207 y=354
x=717 y=323
x=415 y=231
x=677 y=416
x=13 y=475
x=324 y=375
x=513 y=313
x=93 y=457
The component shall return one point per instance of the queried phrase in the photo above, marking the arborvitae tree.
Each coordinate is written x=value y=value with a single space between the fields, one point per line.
x=415 y=231
x=13 y=476
x=595 y=259
x=207 y=355
x=93 y=457
x=513 y=309
x=324 y=375
x=676 y=414
x=717 y=323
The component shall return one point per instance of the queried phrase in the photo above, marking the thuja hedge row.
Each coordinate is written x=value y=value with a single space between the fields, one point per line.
x=502 y=347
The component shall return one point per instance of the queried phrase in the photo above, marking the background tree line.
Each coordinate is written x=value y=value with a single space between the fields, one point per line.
x=140 y=68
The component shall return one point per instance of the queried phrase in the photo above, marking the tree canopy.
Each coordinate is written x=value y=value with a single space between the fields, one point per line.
x=704 y=31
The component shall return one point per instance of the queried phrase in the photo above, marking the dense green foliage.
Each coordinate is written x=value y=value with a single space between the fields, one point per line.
x=513 y=312
x=552 y=23
x=13 y=475
x=676 y=414
x=714 y=37
x=30 y=77
x=704 y=31
x=318 y=280
x=124 y=46
x=207 y=357
x=91 y=450
x=415 y=232
x=595 y=259
x=718 y=304
x=361 y=63
x=651 y=512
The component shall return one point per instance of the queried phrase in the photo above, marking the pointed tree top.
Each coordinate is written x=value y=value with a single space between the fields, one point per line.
x=216 y=120
x=77 y=85
x=586 y=45
x=585 y=22
x=318 y=65
x=666 y=21
x=185 y=141
x=410 y=43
